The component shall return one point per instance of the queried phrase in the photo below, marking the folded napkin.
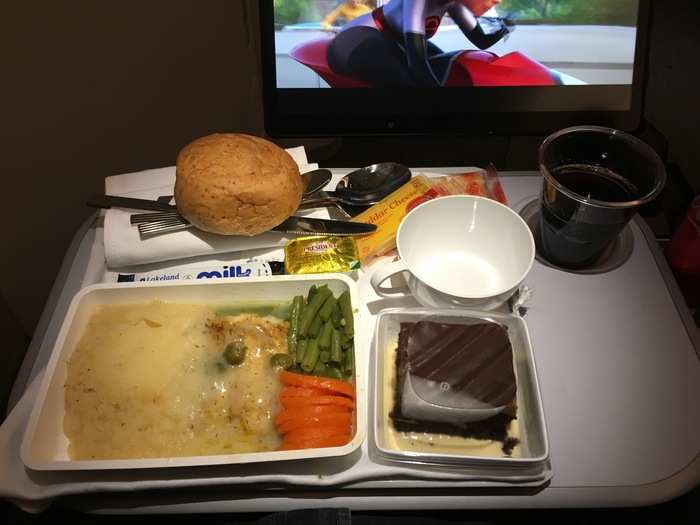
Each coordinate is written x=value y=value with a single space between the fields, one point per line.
x=124 y=246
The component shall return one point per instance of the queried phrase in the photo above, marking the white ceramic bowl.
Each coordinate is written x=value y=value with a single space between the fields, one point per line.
x=461 y=251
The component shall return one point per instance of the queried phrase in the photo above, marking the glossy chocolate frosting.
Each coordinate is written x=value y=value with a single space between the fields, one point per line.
x=475 y=360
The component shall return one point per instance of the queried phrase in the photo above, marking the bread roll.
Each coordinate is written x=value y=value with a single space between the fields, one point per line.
x=230 y=183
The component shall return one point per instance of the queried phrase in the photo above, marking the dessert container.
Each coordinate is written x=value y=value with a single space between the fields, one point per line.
x=45 y=446
x=533 y=447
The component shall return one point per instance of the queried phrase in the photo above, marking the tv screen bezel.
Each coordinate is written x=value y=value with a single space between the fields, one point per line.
x=362 y=112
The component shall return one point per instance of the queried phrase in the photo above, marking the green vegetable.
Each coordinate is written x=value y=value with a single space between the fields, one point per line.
x=311 y=293
x=349 y=363
x=327 y=308
x=234 y=353
x=336 y=350
x=319 y=369
x=346 y=309
x=282 y=311
x=310 y=356
x=315 y=328
x=293 y=332
x=312 y=308
x=279 y=310
x=333 y=371
x=336 y=315
x=324 y=330
x=301 y=350
x=291 y=345
x=324 y=340
x=281 y=361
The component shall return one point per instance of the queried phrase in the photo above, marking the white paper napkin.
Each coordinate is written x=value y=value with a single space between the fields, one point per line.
x=124 y=246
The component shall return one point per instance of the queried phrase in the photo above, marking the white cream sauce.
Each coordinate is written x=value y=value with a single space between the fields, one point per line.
x=149 y=380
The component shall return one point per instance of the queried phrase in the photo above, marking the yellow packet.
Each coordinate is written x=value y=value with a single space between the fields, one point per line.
x=320 y=255
x=387 y=215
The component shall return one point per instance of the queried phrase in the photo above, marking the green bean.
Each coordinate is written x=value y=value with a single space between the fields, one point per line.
x=333 y=371
x=324 y=356
x=312 y=308
x=349 y=363
x=315 y=328
x=301 y=350
x=346 y=309
x=291 y=345
x=345 y=341
x=336 y=350
x=310 y=295
x=295 y=316
x=327 y=308
x=293 y=332
x=324 y=340
x=319 y=369
x=310 y=356
x=314 y=290
x=336 y=315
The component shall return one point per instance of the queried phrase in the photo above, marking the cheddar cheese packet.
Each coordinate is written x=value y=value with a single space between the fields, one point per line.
x=387 y=215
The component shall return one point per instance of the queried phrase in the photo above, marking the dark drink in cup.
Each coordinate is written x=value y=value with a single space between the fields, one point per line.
x=595 y=179
x=574 y=234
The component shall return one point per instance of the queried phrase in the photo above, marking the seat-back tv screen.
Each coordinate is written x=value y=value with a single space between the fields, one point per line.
x=473 y=66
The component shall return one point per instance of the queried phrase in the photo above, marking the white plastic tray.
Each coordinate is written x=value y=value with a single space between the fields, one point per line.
x=45 y=446
x=598 y=341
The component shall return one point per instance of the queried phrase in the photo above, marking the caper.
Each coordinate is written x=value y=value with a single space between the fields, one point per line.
x=234 y=353
x=281 y=361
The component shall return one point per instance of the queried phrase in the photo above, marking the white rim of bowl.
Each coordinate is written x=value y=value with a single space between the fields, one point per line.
x=522 y=222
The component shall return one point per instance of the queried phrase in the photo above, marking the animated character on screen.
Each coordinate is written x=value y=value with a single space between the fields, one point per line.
x=389 y=47
x=347 y=10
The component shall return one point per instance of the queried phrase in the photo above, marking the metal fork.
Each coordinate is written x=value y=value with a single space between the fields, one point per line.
x=150 y=224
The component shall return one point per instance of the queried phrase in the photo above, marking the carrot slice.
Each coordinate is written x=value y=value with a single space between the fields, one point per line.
x=333 y=419
x=295 y=401
x=301 y=412
x=301 y=391
x=326 y=384
x=328 y=441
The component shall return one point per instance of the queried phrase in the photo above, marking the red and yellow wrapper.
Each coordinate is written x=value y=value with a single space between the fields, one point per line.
x=389 y=212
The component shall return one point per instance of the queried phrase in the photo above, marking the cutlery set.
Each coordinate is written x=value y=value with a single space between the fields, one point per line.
x=360 y=188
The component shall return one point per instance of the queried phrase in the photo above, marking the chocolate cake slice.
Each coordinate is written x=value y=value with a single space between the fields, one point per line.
x=476 y=361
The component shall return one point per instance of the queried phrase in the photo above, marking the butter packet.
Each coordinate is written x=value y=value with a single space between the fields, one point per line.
x=321 y=255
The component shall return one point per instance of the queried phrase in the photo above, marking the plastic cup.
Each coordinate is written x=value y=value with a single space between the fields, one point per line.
x=594 y=180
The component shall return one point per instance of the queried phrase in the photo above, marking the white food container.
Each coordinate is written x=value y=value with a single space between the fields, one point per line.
x=45 y=446
x=534 y=444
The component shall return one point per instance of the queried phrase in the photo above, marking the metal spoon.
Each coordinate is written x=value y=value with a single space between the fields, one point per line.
x=363 y=187
x=314 y=181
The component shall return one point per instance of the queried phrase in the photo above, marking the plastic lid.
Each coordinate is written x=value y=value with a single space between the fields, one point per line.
x=456 y=372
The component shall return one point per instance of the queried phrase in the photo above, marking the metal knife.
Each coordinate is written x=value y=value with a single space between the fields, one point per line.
x=311 y=225
x=108 y=201
x=169 y=220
